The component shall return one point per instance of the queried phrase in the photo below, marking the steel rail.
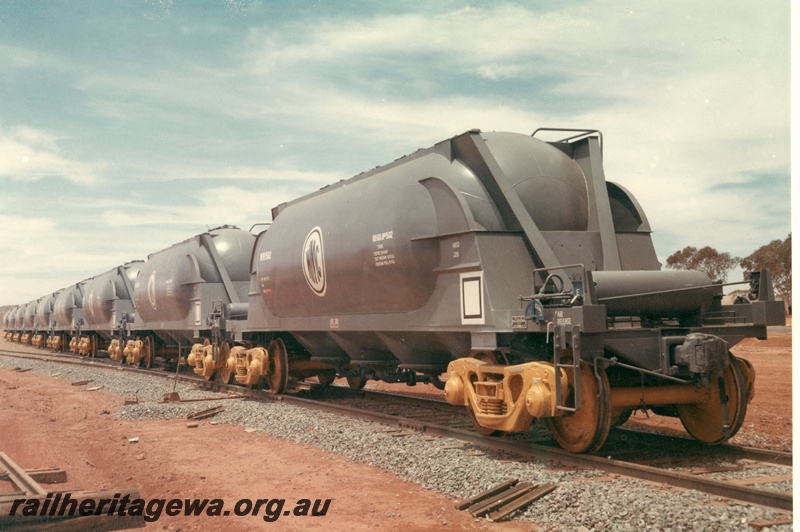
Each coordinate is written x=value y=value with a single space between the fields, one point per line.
x=527 y=450
x=778 y=458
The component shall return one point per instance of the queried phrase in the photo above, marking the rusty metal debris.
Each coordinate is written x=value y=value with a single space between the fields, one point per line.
x=27 y=485
x=42 y=475
x=766 y=523
x=131 y=399
x=504 y=499
x=172 y=397
x=206 y=413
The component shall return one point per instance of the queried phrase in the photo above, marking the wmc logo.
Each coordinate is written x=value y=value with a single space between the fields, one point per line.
x=314 y=262
x=151 y=290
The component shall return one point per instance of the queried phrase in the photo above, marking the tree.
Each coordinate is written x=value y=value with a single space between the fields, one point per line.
x=777 y=258
x=708 y=260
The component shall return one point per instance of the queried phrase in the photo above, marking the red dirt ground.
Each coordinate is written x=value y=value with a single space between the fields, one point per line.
x=48 y=422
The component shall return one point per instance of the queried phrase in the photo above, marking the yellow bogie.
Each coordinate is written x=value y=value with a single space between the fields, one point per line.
x=249 y=365
x=505 y=398
x=86 y=346
x=139 y=352
x=115 y=350
x=202 y=360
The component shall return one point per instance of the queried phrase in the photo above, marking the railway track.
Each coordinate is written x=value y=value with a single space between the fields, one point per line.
x=628 y=453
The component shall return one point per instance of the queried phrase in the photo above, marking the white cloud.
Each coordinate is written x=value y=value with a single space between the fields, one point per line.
x=29 y=153
x=18 y=57
x=42 y=258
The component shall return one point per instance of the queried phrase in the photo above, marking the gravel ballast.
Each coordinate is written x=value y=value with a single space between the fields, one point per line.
x=582 y=500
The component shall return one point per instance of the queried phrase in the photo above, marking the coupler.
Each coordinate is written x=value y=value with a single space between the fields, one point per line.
x=505 y=398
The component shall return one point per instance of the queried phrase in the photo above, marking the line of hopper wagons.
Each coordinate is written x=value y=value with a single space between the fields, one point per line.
x=503 y=261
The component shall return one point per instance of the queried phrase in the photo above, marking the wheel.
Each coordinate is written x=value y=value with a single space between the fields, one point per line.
x=146 y=359
x=749 y=374
x=486 y=356
x=278 y=375
x=223 y=373
x=326 y=377
x=705 y=421
x=480 y=429
x=356 y=383
x=586 y=429
x=619 y=416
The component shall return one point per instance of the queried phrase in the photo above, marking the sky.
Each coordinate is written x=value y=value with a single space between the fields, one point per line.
x=128 y=126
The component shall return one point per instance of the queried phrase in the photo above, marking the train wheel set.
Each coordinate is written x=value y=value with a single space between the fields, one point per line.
x=503 y=261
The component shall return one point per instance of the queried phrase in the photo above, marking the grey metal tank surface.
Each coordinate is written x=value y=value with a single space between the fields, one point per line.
x=68 y=307
x=29 y=321
x=12 y=318
x=44 y=312
x=375 y=235
x=424 y=259
x=19 y=318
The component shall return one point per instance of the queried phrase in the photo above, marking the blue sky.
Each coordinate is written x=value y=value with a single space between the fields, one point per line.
x=127 y=126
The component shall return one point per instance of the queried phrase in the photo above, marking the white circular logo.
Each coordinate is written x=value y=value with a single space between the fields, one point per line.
x=314 y=262
x=151 y=290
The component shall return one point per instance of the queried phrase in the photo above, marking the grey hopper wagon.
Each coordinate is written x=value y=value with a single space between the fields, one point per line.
x=44 y=312
x=108 y=309
x=45 y=322
x=26 y=321
x=68 y=315
x=29 y=320
x=511 y=264
x=10 y=323
x=19 y=318
x=178 y=288
x=506 y=263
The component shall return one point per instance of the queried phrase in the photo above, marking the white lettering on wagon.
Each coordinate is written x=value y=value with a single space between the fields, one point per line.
x=381 y=255
x=561 y=320
x=388 y=235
